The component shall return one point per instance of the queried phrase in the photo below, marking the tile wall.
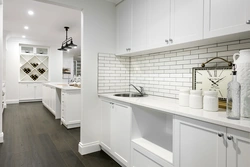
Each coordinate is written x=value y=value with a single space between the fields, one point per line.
x=163 y=74
x=113 y=73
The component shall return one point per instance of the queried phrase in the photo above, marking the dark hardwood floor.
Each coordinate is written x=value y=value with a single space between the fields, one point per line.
x=33 y=138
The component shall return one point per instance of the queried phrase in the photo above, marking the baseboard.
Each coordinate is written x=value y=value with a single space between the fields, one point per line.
x=14 y=101
x=1 y=137
x=114 y=158
x=88 y=148
x=29 y=100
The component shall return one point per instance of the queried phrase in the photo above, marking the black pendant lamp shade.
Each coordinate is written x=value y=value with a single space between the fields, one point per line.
x=72 y=44
x=68 y=43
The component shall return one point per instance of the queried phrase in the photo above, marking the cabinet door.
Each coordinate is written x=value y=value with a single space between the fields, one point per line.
x=53 y=99
x=106 y=125
x=44 y=94
x=186 y=20
x=198 y=144
x=123 y=26
x=238 y=149
x=38 y=91
x=26 y=91
x=139 y=25
x=120 y=133
x=225 y=17
x=158 y=23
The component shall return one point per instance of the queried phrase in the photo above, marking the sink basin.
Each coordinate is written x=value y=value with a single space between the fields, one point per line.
x=128 y=95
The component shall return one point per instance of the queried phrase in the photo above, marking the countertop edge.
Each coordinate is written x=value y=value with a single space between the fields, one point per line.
x=68 y=88
x=216 y=120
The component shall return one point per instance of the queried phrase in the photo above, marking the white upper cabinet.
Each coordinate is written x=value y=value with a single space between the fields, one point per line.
x=186 y=21
x=123 y=13
x=238 y=149
x=223 y=17
x=139 y=25
x=158 y=23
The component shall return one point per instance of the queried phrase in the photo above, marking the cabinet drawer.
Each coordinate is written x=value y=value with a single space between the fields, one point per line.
x=141 y=160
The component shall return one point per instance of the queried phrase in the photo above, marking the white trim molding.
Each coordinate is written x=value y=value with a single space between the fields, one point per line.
x=14 y=101
x=87 y=148
x=1 y=137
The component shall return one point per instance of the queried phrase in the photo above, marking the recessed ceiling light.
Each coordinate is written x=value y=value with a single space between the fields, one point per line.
x=23 y=36
x=26 y=27
x=30 y=12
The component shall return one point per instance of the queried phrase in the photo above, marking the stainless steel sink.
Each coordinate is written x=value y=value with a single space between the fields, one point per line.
x=128 y=95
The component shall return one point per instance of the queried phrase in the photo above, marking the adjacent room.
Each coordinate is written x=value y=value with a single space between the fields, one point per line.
x=125 y=83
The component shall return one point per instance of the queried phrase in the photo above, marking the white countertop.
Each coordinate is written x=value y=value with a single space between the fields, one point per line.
x=63 y=86
x=171 y=106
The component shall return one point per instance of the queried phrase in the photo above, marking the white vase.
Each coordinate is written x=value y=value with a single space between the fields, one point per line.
x=242 y=61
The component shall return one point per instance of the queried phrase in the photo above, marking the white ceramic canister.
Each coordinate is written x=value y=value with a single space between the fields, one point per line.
x=195 y=99
x=242 y=61
x=184 y=97
x=210 y=101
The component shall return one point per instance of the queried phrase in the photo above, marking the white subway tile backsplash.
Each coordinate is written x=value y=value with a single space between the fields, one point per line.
x=217 y=49
x=229 y=43
x=199 y=51
x=183 y=53
x=239 y=46
x=183 y=62
x=191 y=57
x=207 y=55
x=161 y=74
x=207 y=46
x=245 y=41
x=176 y=58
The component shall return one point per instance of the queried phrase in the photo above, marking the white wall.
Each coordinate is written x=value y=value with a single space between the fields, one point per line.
x=13 y=64
x=98 y=36
x=1 y=67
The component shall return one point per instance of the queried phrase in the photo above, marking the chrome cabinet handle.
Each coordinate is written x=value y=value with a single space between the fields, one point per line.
x=166 y=41
x=230 y=137
x=220 y=134
x=248 y=22
x=171 y=40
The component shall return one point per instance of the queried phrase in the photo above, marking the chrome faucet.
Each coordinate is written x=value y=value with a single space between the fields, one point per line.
x=140 y=91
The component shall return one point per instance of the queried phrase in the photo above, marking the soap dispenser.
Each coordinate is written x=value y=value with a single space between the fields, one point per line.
x=233 y=97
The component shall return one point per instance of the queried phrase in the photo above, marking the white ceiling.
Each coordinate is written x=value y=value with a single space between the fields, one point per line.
x=45 y=25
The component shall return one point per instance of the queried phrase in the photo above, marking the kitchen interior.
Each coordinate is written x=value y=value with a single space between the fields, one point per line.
x=157 y=83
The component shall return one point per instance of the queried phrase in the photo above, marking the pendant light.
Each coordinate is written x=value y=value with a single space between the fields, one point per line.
x=68 y=43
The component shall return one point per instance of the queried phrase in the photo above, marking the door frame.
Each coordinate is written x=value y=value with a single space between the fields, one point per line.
x=1 y=49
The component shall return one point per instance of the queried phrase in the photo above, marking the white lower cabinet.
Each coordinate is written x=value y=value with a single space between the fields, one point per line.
x=30 y=91
x=116 y=130
x=106 y=125
x=71 y=108
x=51 y=100
x=238 y=149
x=197 y=143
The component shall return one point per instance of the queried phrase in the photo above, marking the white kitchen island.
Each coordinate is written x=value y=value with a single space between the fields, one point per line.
x=157 y=132
x=64 y=102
